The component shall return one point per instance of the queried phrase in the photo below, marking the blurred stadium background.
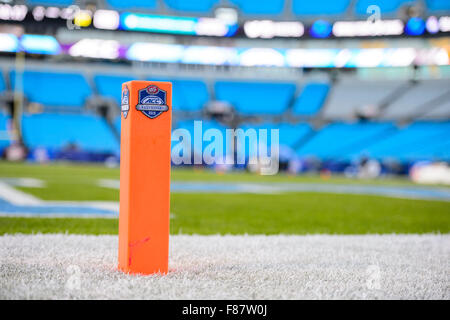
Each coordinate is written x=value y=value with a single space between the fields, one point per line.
x=342 y=90
x=359 y=90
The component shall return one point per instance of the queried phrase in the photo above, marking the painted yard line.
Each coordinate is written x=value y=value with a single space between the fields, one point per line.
x=59 y=215
x=423 y=193
x=15 y=203
x=24 y=182
x=109 y=183
x=101 y=205
x=231 y=267
x=65 y=215
x=17 y=197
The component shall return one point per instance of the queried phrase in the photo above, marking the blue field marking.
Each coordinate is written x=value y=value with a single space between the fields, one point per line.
x=7 y=208
x=49 y=208
x=408 y=192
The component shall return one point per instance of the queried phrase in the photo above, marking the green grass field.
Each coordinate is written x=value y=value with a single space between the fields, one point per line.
x=288 y=213
x=78 y=182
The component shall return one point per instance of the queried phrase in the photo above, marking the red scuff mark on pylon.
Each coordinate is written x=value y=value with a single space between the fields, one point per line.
x=133 y=245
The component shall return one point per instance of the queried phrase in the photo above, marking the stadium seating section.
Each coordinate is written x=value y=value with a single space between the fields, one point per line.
x=54 y=88
x=339 y=135
x=418 y=141
x=132 y=4
x=192 y=94
x=438 y=5
x=348 y=96
x=57 y=131
x=110 y=86
x=318 y=8
x=421 y=97
x=117 y=124
x=191 y=6
x=256 y=98
x=289 y=136
x=340 y=140
x=2 y=83
x=65 y=121
x=386 y=6
x=311 y=99
x=441 y=111
x=252 y=7
x=4 y=137
x=275 y=8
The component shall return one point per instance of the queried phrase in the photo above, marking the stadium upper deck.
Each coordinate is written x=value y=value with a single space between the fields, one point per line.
x=359 y=116
x=276 y=9
x=312 y=78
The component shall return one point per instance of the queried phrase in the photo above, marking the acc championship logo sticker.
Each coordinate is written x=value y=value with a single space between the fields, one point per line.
x=125 y=104
x=152 y=101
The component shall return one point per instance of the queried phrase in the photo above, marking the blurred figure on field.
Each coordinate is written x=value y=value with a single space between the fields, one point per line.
x=16 y=152
x=41 y=155
x=368 y=168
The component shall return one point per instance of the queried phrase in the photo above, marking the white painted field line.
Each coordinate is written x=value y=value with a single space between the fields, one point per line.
x=103 y=205
x=17 y=197
x=27 y=204
x=109 y=183
x=59 y=215
x=231 y=267
x=24 y=182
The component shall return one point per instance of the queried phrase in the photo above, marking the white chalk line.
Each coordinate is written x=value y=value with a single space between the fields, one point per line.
x=231 y=267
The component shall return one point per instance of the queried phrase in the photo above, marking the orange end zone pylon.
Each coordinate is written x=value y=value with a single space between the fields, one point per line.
x=145 y=177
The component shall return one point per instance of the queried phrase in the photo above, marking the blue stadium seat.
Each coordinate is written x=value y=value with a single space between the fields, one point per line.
x=110 y=86
x=342 y=141
x=55 y=131
x=438 y=150
x=256 y=98
x=2 y=83
x=4 y=139
x=418 y=141
x=117 y=123
x=386 y=6
x=188 y=94
x=311 y=99
x=321 y=8
x=438 y=5
x=132 y=4
x=289 y=136
x=272 y=7
x=191 y=5
x=51 y=2
x=54 y=89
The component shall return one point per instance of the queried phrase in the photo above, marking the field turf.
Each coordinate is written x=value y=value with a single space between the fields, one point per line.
x=287 y=213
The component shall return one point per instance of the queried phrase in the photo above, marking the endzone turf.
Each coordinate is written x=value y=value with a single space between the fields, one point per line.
x=287 y=213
